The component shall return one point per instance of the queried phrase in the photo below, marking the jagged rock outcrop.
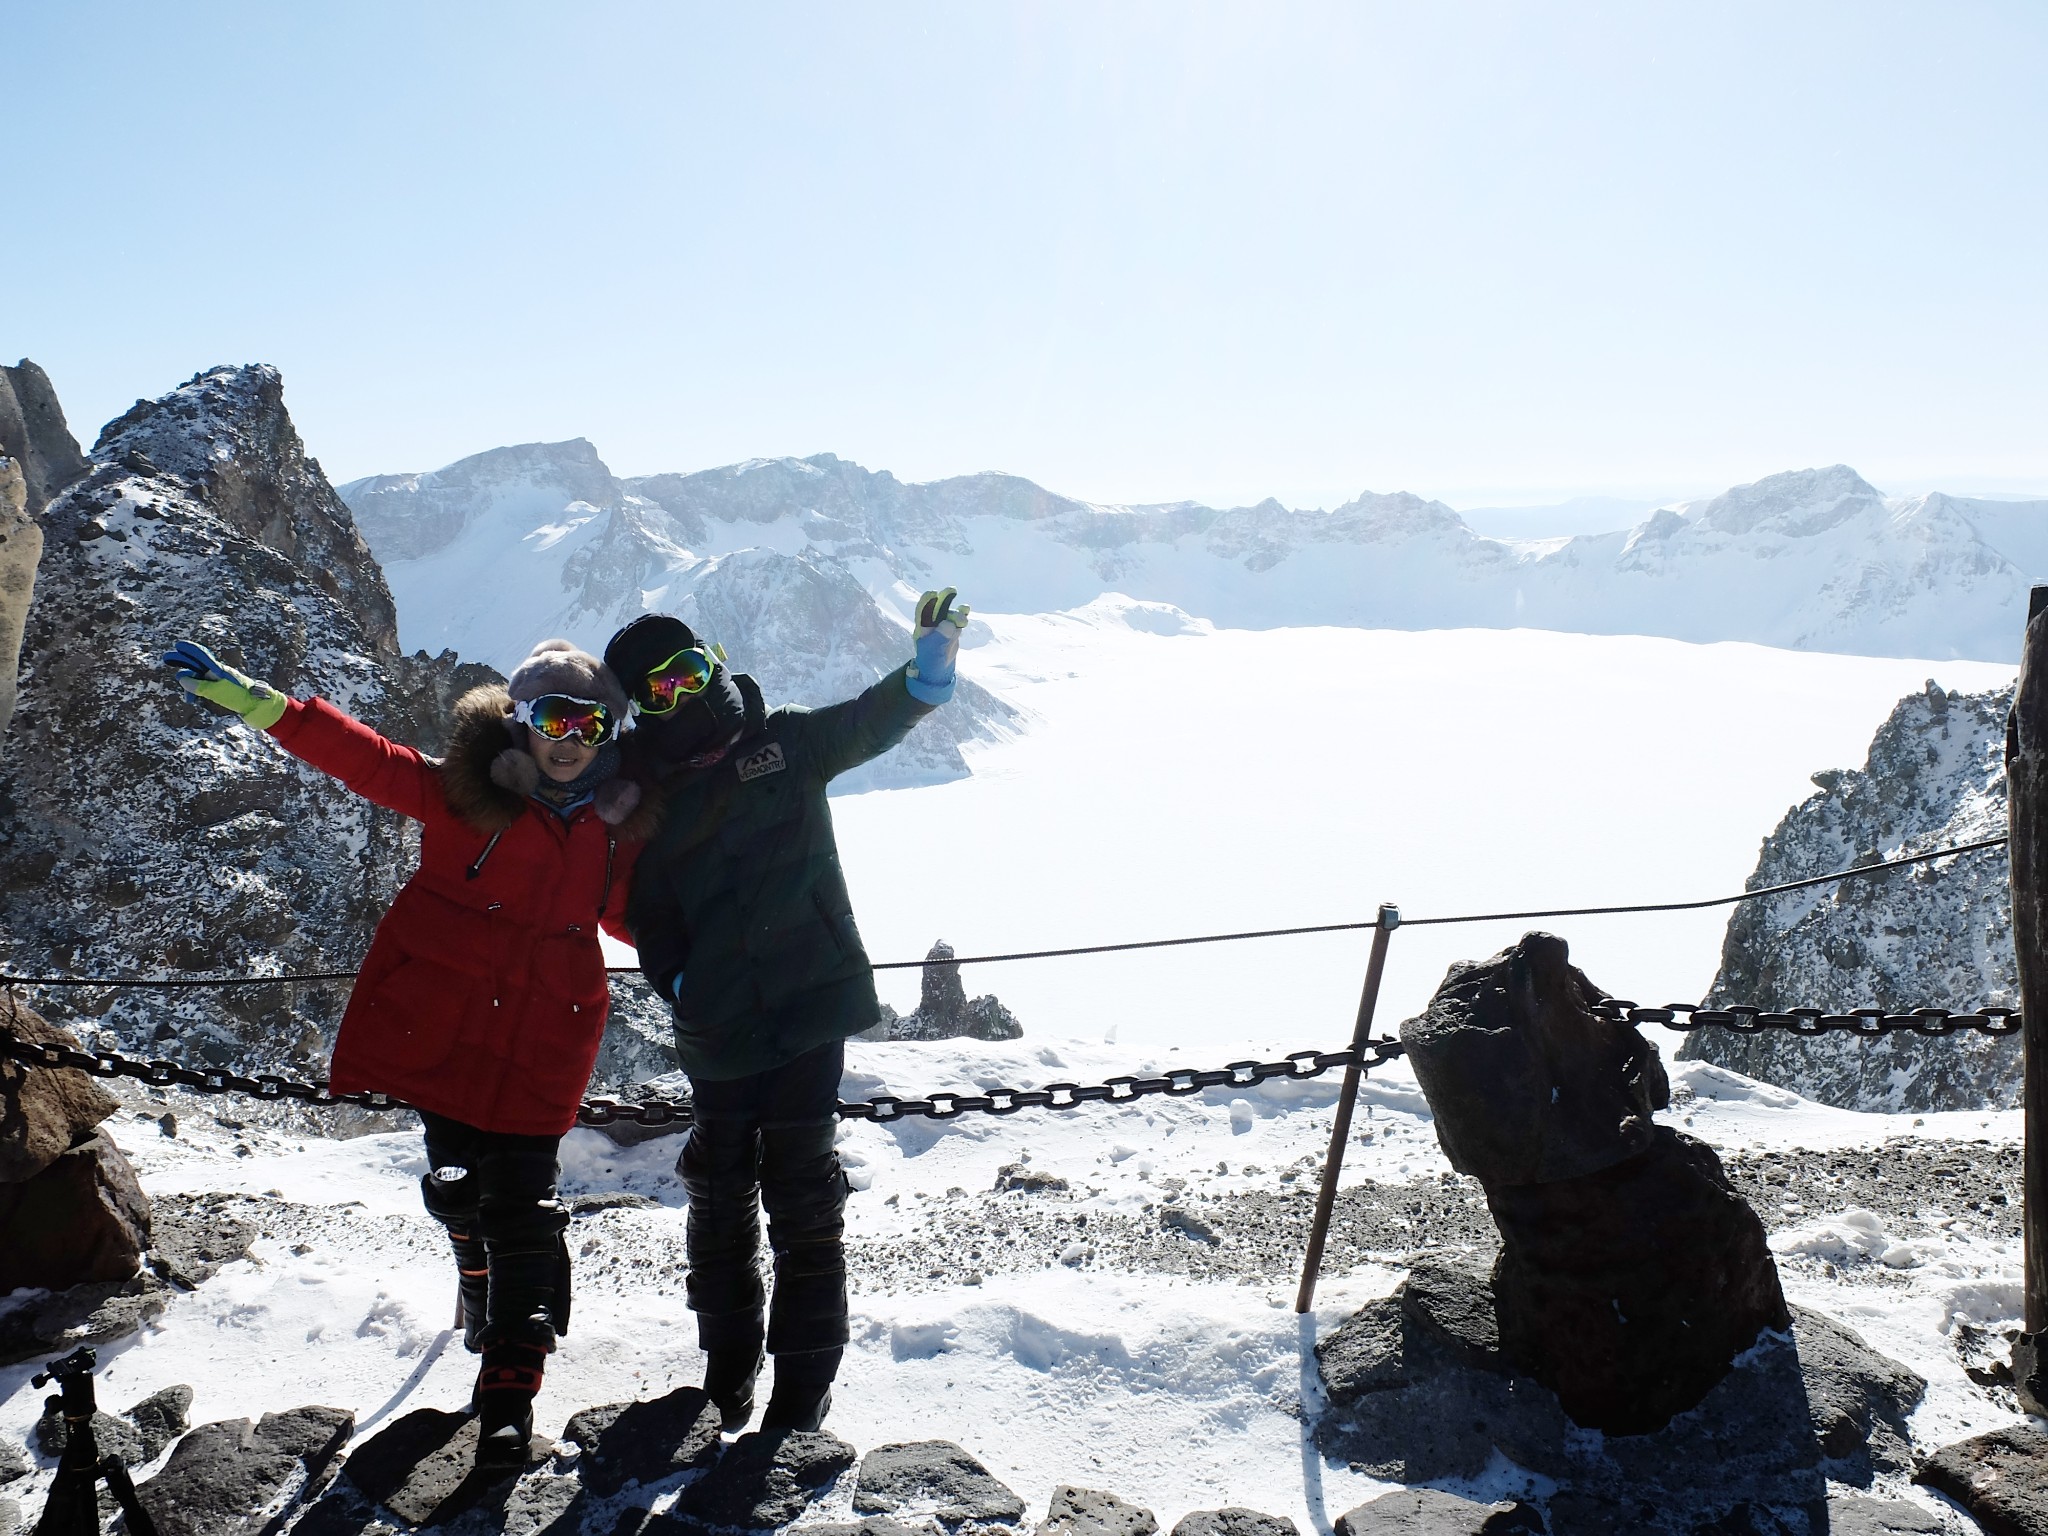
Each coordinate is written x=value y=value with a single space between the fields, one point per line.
x=1934 y=935
x=148 y=833
x=1631 y=1275
x=944 y=1010
x=33 y=432
x=21 y=549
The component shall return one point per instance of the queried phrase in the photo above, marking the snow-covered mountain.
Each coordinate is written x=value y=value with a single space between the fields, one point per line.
x=521 y=542
x=1935 y=935
x=1813 y=559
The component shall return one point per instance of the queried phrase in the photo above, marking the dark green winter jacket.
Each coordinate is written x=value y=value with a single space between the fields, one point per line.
x=741 y=892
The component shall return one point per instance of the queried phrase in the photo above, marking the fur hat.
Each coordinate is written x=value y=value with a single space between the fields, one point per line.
x=556 y=666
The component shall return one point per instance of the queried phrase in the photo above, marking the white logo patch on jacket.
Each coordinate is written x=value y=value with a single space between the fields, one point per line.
x=768 y=760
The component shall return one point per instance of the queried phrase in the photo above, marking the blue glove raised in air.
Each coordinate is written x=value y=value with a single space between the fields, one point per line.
x=939 y=622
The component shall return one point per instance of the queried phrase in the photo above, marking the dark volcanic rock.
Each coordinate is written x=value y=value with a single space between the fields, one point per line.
x=1630 y=1274
x=13 y=1461
x=44 y=1111
x=1934 y=935
x=1426 y=1512
x=160 y=1418
x=1527 y=1084
x=1416 y=1392
x=82 y=1220
x=85 y=1314
x=2000 y=1478
x=944 y=1010
x=936 y=1478
x=226 y=1479
x=422 y=1467
x=644 y=1442
x=1629 y=1292
x=766 y=1479
x=1233 y=1521
x=109 y=1436
x=191 y=1237
x=1854 y=1516
x=1089 y=1512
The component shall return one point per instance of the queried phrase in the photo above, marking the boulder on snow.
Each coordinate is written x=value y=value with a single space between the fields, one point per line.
x=1527 y=1084
x=1090 y=1512
x=933 y=1478
x=82 y=1220
x=944 y=1010
x=85 y=1314
x=1630 y=1274
x=1419 y=1390
x=230 y=1478
x=1428 y=1512
x=44 y=1111
x=643 y=1442
x=422 y=1467
x=766 y=1479
x=2001 y=1478
x=1234 y=1521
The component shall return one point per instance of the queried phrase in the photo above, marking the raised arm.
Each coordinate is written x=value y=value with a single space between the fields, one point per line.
x=844 y=736
x=395 y=777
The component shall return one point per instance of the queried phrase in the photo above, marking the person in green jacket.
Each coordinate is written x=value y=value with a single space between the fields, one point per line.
x=740 y=912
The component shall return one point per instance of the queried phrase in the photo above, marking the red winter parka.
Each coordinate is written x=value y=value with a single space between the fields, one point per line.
x=483 y=997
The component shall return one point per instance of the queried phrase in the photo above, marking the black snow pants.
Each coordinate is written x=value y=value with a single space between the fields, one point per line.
x=495 y=1193
x=767 y=1140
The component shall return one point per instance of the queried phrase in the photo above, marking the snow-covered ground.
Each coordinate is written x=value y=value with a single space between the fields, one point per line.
x=1089 y=1334
x=1134 y=1330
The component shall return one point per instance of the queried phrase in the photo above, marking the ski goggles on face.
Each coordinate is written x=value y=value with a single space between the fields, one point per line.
x=683 y=676
x=561 y=717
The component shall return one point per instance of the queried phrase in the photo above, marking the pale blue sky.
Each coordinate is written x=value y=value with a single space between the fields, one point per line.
x=1484 y=252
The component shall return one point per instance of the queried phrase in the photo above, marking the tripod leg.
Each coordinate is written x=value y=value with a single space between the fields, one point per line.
x=123 y=1488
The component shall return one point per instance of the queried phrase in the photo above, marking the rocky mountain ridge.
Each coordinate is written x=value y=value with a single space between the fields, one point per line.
x=147 y=833
x=1812 y=559
x=1933 y=935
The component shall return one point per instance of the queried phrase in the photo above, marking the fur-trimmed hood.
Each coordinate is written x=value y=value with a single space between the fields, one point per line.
x=488 y=772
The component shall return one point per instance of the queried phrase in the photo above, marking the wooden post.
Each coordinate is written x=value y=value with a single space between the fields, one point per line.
x=2026 y=777
x=1340 y=1133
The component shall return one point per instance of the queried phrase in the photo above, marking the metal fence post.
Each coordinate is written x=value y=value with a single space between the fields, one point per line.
x=2026 y=773
x=1347 y=1096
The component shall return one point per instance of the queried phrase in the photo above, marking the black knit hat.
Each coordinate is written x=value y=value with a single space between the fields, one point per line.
x=645 y=644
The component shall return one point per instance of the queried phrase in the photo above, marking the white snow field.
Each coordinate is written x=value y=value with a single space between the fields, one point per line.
x=1215 y=781
x=1172 y=779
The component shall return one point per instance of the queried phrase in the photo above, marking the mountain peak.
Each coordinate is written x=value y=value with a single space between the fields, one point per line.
x=1796 y=502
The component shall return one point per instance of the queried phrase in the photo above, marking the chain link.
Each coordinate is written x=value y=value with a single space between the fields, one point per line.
x=1745 y=1019
x=1870 y=1023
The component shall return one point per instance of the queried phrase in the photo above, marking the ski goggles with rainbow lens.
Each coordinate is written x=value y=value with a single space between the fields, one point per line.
x=681 y=678
x=562 y=716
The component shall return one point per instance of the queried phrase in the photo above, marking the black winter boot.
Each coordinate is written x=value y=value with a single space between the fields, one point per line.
x=803 y=1390
x=729 y=1377
x=505 y=1390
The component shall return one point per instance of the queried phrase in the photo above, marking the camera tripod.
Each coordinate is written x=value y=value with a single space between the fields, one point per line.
x=74 y=1506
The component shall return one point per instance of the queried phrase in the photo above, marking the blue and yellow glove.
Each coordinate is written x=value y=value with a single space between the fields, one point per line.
x=200 y=672
x=939 y=622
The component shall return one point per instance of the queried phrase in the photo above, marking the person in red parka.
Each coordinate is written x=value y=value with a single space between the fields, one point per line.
x=482 y=1001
